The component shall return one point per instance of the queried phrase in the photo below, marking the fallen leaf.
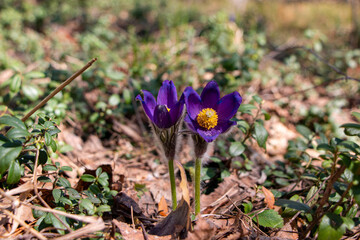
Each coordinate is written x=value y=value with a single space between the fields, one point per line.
x=269 y=198
x=177 y=223
x=183 y=183
x=163 y=207
x=123 y=205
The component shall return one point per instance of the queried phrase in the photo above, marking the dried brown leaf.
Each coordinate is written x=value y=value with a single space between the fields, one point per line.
x=163 y=207
x=269 y=198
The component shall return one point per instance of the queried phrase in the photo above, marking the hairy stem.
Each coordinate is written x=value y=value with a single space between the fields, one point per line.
x=197 y=185
x=173 y=185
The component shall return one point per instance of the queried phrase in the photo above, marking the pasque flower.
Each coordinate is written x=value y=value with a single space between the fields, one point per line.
x=167 y=110
x=165 y=116
x=208 y=114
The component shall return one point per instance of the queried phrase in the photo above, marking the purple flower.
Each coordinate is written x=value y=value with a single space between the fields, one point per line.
x=208 y=115
x=167 y=110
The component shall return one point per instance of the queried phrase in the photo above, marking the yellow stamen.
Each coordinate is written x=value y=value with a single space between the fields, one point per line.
x=168 y=109
x=207 y=118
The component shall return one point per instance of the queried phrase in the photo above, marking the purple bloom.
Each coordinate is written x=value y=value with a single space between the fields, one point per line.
x=208 y=115
x=167 y=110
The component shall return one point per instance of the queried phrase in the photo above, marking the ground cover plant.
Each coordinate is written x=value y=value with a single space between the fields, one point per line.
x=171 y=119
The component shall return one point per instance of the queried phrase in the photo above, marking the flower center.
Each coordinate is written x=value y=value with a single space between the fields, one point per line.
x=207 y=118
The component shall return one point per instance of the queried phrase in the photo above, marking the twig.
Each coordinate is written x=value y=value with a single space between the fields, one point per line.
x=320 y=211
x=58 y=89
x=26 y=226
x=38 y=195
x=144 y=232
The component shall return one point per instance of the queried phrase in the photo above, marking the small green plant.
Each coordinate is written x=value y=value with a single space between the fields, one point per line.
x=19 y=144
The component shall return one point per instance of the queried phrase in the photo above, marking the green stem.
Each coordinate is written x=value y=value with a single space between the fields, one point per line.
x=197 y=185
x=173 y=184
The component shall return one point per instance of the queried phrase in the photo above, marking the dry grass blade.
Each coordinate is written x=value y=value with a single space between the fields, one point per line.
x=86 y=219
x=22 y=223
x=91 y=228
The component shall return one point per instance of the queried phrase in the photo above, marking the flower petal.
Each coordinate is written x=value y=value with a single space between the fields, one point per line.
x=177 y=110
x=193 y=102
x=190 y=123
x=225 y=126
x=209 y=135
x=167 y=94
x=210 y=95
x=162 y=117
x=228 y=106
x=148 y=103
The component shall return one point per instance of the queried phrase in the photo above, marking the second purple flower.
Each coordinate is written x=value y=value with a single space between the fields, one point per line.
x=208 y=114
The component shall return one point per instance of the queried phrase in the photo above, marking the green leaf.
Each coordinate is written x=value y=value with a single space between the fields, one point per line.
x=98 y=171
x=247 y=207
x=14 y=173
x=257 y=99
x=243 y=126
x=351 y=129
x=38 y=213
x=91 y=197
x=236 y=149
x=7 y=155
x=349 y=146
x=35 y=74
x=73 y=193
x=48 y=168
x=304 y=131
x=246 y=108
x=88 y=178
x=95 y=189
x=43 y=157
x=31 y=92
x=261 y=134
x=57 y=193
x=44 y=179
x=114 y=100
x=313 y=190
x=15 y=83
x=66 y=168
x=48 y=124
x=103 y=208
x=127 y=96
x=325 y=146
x=333 y=226
x=12 y=121
x=53 y=145
x=266 y=115
x=53 y=130
x=104 y=179
x=269 y=218
x=356 y=192
x=15 y=133
x=48 y=139
x=57 y=224
x=293 y=204
x=87 y=205
x=65 y=200
x=63 y=182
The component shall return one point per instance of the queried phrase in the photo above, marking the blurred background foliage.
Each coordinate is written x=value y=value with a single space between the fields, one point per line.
x=141 y=43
